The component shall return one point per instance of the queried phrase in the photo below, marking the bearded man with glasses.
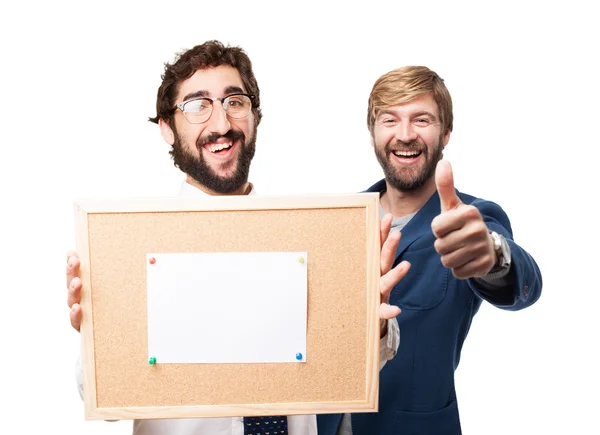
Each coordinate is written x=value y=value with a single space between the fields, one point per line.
x=212 y=145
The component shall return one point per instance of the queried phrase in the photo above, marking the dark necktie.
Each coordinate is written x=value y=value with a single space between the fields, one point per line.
x=275 y=425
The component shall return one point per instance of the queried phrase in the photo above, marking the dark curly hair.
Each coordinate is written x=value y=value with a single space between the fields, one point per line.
x=208 y=55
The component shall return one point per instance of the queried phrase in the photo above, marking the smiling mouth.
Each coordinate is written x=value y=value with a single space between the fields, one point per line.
x=217 y=148
x=407 y=154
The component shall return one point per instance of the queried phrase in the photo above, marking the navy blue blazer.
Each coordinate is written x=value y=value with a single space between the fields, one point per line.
x=416 y=388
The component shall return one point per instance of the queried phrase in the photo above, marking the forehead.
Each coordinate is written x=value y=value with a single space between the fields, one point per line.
x=419 y=104
x=213 y=81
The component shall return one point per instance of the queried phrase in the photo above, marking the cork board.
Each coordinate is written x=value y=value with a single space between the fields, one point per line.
x=341 y=373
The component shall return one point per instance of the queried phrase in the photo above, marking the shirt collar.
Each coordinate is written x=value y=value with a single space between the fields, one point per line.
x=189 y=191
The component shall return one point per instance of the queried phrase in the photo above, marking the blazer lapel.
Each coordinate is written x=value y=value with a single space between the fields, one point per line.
x=420 y=224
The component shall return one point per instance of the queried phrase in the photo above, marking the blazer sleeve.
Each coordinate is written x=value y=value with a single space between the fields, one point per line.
x=525 y=285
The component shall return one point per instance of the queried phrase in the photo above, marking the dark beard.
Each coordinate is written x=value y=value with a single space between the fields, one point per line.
x=394 y=175
x=196 y=167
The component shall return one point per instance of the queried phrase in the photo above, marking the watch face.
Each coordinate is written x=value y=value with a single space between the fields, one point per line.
x=505 y=249
x=502 y=249
x=497 y=240
x=505 y=252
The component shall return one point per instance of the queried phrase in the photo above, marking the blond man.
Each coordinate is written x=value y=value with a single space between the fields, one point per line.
x=460 y=248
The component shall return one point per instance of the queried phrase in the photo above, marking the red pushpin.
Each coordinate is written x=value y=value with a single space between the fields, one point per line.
x=152 y=260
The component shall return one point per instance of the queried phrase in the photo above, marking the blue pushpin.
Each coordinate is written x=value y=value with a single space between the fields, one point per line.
x=299 y=356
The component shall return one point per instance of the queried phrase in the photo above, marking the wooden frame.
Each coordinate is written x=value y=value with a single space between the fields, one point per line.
x=340 y=234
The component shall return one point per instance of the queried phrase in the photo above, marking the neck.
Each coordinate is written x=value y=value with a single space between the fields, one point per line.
x=401 y=203
x=243 y=190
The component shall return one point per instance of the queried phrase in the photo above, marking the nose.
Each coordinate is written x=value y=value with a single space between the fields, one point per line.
x=218 y=122
x=405 y=132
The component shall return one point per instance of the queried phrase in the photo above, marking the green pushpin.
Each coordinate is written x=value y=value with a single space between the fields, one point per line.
x=152 y=360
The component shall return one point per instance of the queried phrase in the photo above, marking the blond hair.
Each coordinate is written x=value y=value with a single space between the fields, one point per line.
x=404 y=84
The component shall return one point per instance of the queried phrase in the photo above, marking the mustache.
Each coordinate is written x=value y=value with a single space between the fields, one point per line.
x=232 y=135
x=404 y=146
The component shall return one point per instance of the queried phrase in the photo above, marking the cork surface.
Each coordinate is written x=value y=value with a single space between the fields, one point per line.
x=335 y=240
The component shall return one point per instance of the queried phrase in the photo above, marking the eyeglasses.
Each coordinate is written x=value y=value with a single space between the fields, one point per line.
x=198 y=110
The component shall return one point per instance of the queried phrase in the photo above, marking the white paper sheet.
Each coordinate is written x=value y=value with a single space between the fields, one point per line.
x=231 y=307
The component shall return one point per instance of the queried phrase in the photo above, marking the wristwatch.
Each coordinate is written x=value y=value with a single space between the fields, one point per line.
x=502 y=250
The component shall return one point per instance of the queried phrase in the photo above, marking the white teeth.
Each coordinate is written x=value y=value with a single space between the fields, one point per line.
x=218 y=147
x=406 y=153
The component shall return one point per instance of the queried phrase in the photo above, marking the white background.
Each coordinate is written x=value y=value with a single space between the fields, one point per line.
x=79 y=80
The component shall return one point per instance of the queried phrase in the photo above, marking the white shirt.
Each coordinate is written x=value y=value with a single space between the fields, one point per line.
x=297 y=424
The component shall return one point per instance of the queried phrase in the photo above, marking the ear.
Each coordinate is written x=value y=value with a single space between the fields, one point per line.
x=372 y=141
x=446 y=138
x=166 y=132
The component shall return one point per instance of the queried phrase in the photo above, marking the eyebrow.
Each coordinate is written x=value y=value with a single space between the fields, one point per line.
x=424 y=112
x=234 y=90
x=196 y=94
x=414 y=115
x=203 y=93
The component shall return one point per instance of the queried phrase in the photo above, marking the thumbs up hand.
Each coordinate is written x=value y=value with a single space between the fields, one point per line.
x=463 y=239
